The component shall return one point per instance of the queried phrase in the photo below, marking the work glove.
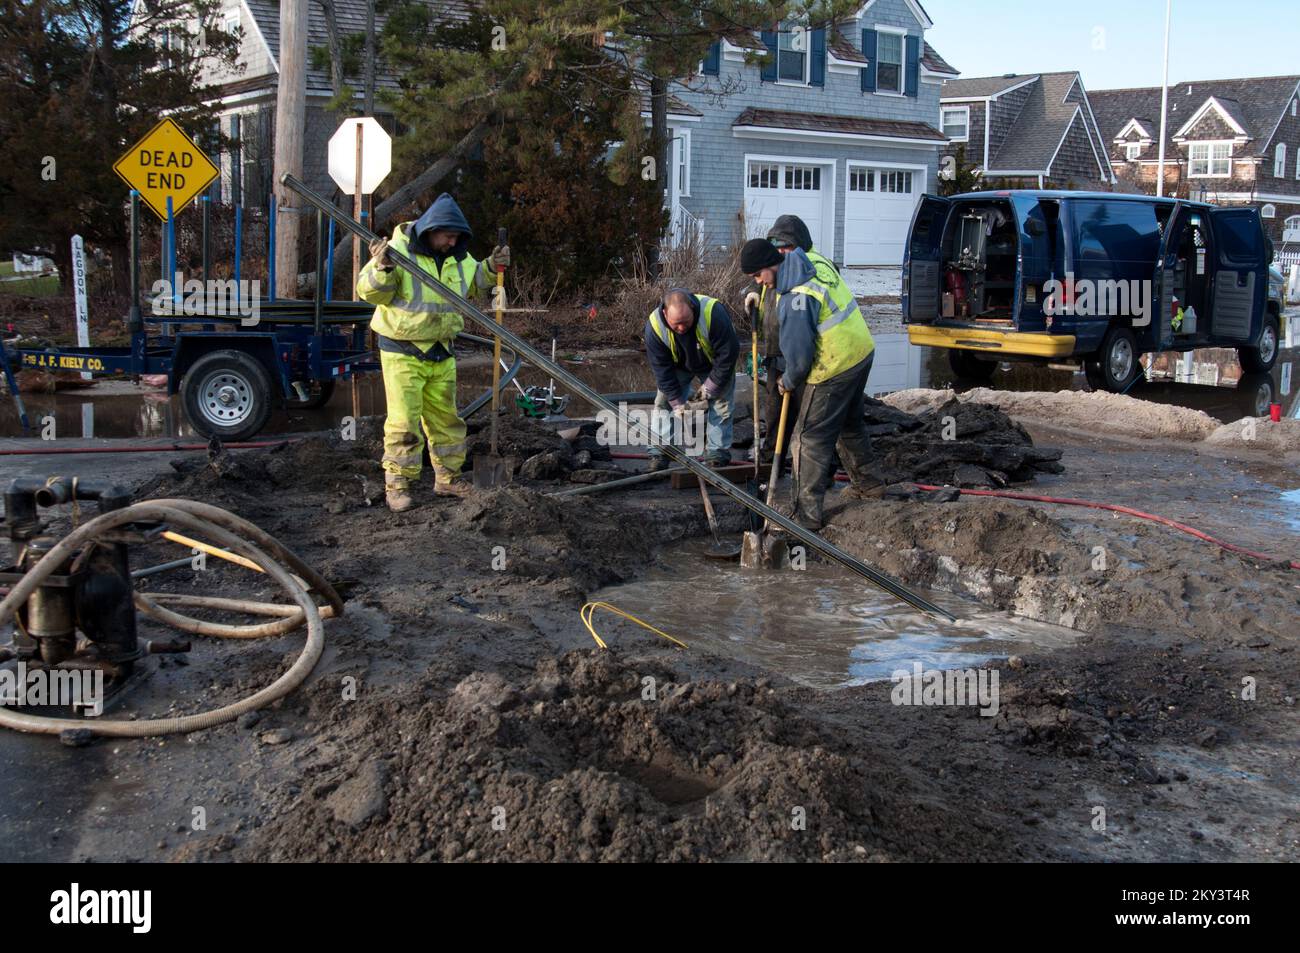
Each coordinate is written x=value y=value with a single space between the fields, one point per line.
x=751 y=305
x=783 y=386
x=499 y=257
x=379 y=254
x=703 y=394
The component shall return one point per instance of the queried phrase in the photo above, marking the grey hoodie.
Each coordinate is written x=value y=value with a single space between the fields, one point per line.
x=798 y=317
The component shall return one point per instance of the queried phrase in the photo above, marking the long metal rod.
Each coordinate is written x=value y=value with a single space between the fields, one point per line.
x=677 y=455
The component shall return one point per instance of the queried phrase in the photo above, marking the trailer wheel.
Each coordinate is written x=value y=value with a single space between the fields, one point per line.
x=226 y=394
x=1260 y=359
x=318 y=395
x=968 y=366
x=1116 y=363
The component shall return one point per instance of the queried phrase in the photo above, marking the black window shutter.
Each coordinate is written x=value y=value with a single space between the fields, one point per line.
x=912 y=83
x=817 y=70
x=713 y=59
x=768 y=74
x=869 y=51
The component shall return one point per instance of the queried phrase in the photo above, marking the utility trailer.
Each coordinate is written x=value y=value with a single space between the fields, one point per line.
x=231 y=373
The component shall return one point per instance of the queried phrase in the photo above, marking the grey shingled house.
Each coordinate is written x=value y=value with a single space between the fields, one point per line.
x=1037 y=129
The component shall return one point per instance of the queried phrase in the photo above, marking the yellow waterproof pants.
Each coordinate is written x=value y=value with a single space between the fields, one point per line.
x=421 y=398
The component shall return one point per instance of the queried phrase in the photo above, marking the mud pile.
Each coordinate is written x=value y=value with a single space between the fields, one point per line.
x=955 y=443
x=593 y=757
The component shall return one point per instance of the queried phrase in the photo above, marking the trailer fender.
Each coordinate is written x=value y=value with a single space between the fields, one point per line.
x=262 y=347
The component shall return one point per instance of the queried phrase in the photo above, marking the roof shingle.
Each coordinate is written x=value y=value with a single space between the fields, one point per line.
x=825 y=122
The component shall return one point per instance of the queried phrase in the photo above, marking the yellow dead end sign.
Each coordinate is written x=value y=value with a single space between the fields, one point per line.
x=166 y=162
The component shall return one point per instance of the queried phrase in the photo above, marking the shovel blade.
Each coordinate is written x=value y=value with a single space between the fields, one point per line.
x=490 y=471
x=776 y=552
x=751 y=550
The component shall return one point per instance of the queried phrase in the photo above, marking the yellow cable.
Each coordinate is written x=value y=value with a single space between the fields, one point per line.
x=587 y=612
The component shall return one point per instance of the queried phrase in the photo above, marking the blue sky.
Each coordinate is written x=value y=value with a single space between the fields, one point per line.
x=1116 y=43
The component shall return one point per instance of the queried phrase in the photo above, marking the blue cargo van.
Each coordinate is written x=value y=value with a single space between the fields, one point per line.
x=1086 y=277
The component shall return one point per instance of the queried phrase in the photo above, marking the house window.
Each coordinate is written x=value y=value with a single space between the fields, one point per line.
x=764 y=175
x=1210 y=160
x=230 y=23
x=1279 y=161
x=1293 y=104
x=1268 y=211
x=900 y=182
x=862 y=180
x=682 y=154
x=1132 y=150
x=803 y=178
x=792 y=55
x=1291 y=229
x=889 y=63
x=956 y=123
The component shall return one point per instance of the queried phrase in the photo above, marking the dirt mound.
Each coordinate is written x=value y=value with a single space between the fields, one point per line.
x=1258 y=433
x=1094 y=411
x=956 y=443
x=596 y=758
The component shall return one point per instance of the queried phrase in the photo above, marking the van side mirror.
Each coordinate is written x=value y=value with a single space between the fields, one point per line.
x=1035 y=228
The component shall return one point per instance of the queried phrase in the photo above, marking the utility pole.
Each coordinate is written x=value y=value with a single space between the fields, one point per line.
x=368 y=70
x=1164 y=106
x=290 y=118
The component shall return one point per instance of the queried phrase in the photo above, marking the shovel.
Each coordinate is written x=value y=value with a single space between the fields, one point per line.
x=493 y=470
x=759 y=548
x=719 y=549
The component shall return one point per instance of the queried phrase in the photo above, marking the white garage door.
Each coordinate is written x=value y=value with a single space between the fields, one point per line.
x=878 y=208
x=774 y=188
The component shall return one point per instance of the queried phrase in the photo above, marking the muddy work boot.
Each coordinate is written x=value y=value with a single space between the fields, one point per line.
x=795 y=515
x=863 y=489
x=447 y=484
x=397 y=493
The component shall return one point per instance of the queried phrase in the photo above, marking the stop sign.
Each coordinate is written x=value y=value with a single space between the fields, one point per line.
x=376 y=155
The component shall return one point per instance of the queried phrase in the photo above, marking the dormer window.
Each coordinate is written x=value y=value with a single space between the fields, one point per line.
x=792 y=54
x=1210 y=160
x=1132 y=150
x=1279 y=161
x=889 y=65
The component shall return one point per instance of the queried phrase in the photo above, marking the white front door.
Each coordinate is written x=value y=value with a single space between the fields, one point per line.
x=878 y=204
x=803 y=187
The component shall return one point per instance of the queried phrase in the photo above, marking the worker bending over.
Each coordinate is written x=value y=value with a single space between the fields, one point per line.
x=828 y=351
x=415 y=327
x=691 y=337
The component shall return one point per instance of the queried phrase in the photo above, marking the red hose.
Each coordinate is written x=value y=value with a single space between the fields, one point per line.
x=1126 y=510
x=136 y=448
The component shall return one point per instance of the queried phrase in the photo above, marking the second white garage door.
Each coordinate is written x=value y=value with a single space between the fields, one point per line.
x=774 y=187
x=878 y=207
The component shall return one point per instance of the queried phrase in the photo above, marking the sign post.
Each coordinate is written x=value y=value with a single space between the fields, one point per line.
x=360 y=157
x=79 y=290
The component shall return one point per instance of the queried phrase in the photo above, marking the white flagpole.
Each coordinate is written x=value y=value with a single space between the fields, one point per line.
x=1164 y=106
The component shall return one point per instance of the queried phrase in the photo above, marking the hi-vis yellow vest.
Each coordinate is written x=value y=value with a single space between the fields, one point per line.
x=406 y=310
x=843 y=338
x=769 y=300
x=665 y=333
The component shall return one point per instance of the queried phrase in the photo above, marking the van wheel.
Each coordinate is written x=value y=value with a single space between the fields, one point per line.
x=227 y=395
x=1260 y=359
x=969 y=367
x=1115 y=364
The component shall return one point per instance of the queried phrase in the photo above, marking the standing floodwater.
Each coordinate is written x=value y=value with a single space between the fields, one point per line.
x=822 y=626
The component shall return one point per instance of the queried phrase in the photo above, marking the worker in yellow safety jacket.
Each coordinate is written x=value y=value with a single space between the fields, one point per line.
x=415 y=326
x=787 y=233
x=828 y=351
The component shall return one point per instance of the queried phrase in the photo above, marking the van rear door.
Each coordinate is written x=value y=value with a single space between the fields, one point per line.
x=921 y=260
x=1240 y=273
x=1162 y=294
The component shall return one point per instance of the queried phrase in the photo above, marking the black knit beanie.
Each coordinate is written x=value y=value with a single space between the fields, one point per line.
x=757 y=254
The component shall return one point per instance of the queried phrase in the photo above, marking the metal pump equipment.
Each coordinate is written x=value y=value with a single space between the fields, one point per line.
x=83 y=616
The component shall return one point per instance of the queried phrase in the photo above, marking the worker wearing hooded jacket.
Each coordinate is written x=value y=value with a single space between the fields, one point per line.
x=787 y=232
x=415 y=327
x=828 y=351
x=687 y=337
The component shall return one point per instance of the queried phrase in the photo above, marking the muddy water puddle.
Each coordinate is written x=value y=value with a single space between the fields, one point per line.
x=822 y=626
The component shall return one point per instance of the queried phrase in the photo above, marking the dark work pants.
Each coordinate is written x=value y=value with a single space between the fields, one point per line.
x=829 y=412
x=771 y=398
